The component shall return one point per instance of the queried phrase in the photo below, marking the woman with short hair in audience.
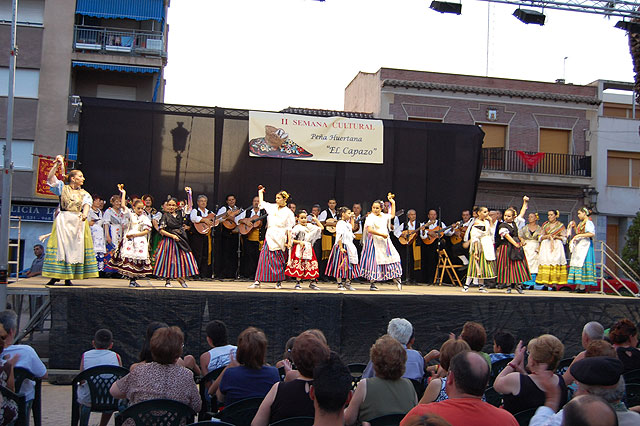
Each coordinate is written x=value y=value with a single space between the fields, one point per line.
x=386 y=393
x=291 y=399
x=146 y=356
x=163 y=378
x=436 y=390
x=248 y=375
x=522 y=390
x=476 y=336
x=624 y=337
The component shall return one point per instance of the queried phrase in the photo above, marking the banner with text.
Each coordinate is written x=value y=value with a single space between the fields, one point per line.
x=303 y=137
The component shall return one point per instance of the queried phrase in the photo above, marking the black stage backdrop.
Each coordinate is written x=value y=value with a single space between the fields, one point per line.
x=427 y=165
x=351 y=323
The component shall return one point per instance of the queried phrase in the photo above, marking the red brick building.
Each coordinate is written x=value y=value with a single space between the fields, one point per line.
x=524 y=121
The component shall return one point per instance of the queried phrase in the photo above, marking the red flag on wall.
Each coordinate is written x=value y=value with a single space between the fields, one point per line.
x=42 y=187
x=530 y=160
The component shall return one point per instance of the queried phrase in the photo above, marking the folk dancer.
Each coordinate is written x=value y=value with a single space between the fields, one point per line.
x=529 y=236
x=582 y=266
x=552 y=262
x=302 y=263
x=343 y=260
x=512 y=268
x=329 y=218
x=482 y=256
x=69 y=252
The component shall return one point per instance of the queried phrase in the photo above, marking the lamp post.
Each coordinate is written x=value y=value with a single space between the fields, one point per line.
x=179 y=135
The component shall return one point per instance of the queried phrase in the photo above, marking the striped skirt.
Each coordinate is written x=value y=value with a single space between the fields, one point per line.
x=271 y=265
x=338 y=265
x=371 y=271
x=480 y=268
x=305 y=269
x=53 y=268
x=585 y=275
x=551 y=274
x=511 y=271
x=172 y=262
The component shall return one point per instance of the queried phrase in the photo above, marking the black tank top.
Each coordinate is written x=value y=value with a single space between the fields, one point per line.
x=292 y=400
x=531 y=396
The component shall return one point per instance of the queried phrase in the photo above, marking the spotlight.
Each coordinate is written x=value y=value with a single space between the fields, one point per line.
x=529 y=16
x=446 y=7
x=630 y=27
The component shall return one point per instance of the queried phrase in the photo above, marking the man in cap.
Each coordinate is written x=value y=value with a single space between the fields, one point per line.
x=599 y=376
x=402 y=330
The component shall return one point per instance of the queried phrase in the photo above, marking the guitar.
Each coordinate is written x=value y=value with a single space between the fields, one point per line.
x=438 y=233
x=457 y=238
x=408 y=236
x=330 y=225
x=203 y=228
x=248 y=224
x=229 y=222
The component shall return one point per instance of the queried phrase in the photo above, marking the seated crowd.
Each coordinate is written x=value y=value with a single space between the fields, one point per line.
x=457 y=384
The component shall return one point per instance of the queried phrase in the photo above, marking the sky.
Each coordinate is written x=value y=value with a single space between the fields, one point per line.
x=272 y=54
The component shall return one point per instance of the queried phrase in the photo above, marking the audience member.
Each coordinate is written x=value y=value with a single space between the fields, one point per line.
x=475 y=335
x=467 y=379
x=291 y=399
x=101 y=354
x=600 y=348
x=27 y=358
x=599 y=376
x=386 y=393
x=249 y=376
x=503 y=344
x=8 y=407
x=146 y=356
x=221 y=351
x=436 y=390
x=521 y=390
x=592 y=331
x=428 y=419
x=588 y=410
x=162 y=378
x=624 y=337
x=286 y=355
x=402 y=330
x=330 y=392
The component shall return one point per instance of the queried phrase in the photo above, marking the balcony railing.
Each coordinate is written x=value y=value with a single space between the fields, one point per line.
x=500 y=159
x=111 y=40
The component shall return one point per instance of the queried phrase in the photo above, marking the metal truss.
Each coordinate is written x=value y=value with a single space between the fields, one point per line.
x=622 y=9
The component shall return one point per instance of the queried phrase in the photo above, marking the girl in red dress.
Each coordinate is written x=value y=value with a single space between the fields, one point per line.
x=302 y=264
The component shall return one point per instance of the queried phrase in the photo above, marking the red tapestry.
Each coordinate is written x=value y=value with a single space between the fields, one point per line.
x=530 y=160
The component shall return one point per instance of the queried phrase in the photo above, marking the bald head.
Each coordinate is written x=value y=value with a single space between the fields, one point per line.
x=588 y=410
x=470 y=373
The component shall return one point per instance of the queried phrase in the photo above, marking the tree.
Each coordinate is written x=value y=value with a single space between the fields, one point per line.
x=630 y=250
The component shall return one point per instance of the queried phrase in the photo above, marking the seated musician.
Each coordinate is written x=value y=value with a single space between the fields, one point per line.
x=432 y=241
x=409 y=236
x=252 y=238
x=329 y=218
x=201 y=242
x=359 y=221
x=293 y=207
x=227 y=243
x=459 y=255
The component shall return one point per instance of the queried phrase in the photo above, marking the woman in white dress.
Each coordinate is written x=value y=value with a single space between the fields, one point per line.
x=482 y=255
x=97 y=231
x=343 y=260
x=380 y=260
x=582 y=267
x=529 y=236
x=552 y=262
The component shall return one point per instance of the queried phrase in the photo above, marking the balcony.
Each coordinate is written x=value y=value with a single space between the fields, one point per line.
x=118 y=41
x=533 y=163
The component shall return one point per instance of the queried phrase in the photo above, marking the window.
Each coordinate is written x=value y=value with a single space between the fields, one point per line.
x=71 y=151
x=623 y=169
x=27 y=81
x=554 y=141
x=21 y=154
x=106 y=91
x=495 y=135
x=29 y=11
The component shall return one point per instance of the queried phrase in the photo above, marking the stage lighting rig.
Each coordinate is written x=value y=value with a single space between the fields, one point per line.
x=529 y=16
x=446 y=7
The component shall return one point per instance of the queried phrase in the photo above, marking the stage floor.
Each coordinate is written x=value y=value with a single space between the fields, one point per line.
x=37 y=285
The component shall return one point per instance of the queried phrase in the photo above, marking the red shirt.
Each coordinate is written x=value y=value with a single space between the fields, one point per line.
x=464 y=412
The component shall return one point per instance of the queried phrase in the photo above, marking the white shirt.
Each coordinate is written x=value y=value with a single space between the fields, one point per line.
x=94 y=358
x=279 y=221
x=322 y=217
x=30 y=360
x=194 y=214
x=248 y=214
x=411 y=226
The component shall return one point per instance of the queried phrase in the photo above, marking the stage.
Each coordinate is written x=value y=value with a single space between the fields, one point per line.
x=351 y=320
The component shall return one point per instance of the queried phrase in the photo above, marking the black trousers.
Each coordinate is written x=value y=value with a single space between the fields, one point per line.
x=228 y=254
x=249 y=260
x=430 y=261
x=200 y=248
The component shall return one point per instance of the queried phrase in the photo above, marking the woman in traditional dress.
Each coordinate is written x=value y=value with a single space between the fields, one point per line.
x=343 y=259
x=280 y=221
x=380 y=260
x=153 y=237
x=131 y=258
x=482 y=255
x=97 y=232
x=69 y=252
x=303 y=264
x=552 y=263
x=114 y=222
x=174 y=258
x=512 y=271
x=529 y=235
x=582 y=267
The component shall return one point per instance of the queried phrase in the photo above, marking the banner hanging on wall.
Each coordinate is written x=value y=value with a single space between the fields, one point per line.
x=303 y=137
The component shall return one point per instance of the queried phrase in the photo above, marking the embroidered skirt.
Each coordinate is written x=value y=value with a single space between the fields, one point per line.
x=305 y=269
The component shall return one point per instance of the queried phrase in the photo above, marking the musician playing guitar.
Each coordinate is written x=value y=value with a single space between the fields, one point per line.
x=252 y=229
x=201 y=243
x=410 y=237
x=329 y=218
x=227 y=257
x=430 y=251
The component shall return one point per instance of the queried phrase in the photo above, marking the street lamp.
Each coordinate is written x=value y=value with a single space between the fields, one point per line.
x=179 y=135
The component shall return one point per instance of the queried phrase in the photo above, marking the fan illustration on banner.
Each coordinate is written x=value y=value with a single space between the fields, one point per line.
x=277 y=144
